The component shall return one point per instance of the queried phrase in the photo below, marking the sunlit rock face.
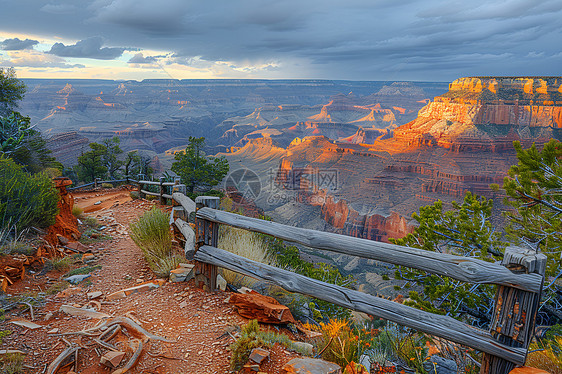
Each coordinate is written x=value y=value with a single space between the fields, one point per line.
x=488 y=113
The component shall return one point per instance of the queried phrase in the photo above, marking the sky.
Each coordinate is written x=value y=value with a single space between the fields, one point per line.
x=429 y=40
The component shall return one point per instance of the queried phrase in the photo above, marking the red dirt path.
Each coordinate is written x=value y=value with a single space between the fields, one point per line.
x=199 y=329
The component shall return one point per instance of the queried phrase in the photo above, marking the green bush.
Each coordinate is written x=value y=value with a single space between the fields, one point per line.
x=12 y=363
x=61 y=263
x=249 y=339
x=152 y=235
x=25 y=200
x=16 y=247
x=77 y=211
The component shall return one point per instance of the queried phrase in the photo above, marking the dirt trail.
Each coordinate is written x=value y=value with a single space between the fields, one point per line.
x=199 y=323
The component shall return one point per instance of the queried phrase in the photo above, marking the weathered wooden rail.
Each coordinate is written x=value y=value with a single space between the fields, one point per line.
x=520 y=279
x=161 y=194
x=98 y=182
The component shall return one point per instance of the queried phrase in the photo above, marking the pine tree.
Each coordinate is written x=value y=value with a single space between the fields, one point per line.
x=12 y=90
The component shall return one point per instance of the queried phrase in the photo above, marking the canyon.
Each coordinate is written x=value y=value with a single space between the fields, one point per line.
x=356 y=158
x=368 y=185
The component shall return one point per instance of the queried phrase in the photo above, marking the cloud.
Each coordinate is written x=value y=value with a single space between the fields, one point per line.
x=15 y=44
x=36 y=59
x=140 y=59
x=59 y=8
x=332 y=39
x=87 y=48
x=162 y=17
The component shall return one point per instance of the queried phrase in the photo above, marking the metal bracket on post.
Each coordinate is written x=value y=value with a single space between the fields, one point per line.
x=513 y=319
x=207 y=234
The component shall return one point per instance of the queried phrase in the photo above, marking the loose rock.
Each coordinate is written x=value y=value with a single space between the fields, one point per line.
x=310 y=366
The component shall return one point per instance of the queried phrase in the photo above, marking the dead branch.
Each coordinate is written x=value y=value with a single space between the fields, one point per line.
x=67 y=353
x=133 y=360
x=106 y=345
x=135 y=328
x=110 y=333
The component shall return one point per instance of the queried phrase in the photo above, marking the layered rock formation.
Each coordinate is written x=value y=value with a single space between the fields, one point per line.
x=367 y=184
x=157 y=115
x=488 y=114
x=352 y=118
x=67 y=146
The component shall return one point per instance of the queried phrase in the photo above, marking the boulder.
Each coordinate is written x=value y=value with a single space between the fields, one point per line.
x=310 y=366
x=182 y=273
x=440 y=365
x=263 y=308
x=527 y=370
x=259 y=355
x=75 y=279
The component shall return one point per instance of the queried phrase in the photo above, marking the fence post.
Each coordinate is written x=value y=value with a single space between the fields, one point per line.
x=141 y=195
x=513 y=318
x=207 y=233
x=162 y=198
x=96 y=183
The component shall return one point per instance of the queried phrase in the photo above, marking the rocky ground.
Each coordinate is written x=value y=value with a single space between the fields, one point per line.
x=200 y=326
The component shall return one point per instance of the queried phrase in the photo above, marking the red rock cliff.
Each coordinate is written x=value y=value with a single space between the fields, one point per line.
x=488 y=113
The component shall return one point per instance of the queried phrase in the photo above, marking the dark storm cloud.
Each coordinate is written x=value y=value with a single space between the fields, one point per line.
x=348 y=39
x=88 y=48
x=16 y=44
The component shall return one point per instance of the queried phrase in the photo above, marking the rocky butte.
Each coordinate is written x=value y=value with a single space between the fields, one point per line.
x=489 y=113
x=368 y=186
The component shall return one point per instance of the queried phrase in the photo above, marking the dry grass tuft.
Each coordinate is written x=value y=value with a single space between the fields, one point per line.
x=246 y=244
x=151 y=233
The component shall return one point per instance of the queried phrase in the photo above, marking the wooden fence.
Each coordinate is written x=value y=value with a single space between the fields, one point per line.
x=161 y=194
x=98 y=182
x=520 y=279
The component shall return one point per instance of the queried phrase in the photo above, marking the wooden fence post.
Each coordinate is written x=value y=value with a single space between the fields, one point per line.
x=141 y=194
x=96 y=183
x=513 y=319
x=207 y=234
x=162 y=198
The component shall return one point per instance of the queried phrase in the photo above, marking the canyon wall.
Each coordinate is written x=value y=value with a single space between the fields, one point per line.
x=488 y=114
x=461 y=141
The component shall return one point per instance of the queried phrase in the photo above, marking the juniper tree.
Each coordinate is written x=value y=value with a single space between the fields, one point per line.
x=195 y=169
x=465 y=230
x=534 y=190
